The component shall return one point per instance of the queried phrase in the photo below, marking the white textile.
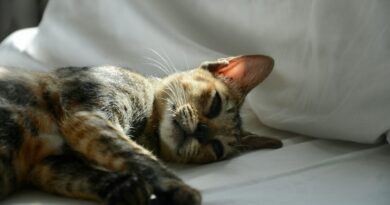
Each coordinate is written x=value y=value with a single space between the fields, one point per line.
x=332 y=57
x=330 y=81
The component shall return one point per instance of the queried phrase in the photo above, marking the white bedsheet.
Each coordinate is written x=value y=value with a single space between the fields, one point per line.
x=305 y=171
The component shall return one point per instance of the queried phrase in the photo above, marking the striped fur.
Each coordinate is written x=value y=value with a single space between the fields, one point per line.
x=98 y=133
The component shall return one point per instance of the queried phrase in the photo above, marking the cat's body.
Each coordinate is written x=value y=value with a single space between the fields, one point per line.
x=95 y=132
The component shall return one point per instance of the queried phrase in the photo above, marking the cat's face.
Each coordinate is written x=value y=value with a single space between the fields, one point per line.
x=199 y=110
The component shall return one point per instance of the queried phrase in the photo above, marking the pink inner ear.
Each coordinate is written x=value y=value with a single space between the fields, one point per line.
x=246 y=72
x=234 y=70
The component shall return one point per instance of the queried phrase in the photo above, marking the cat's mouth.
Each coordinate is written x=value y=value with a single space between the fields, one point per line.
x=179 y=146
x=189 y=145
x=183 y=139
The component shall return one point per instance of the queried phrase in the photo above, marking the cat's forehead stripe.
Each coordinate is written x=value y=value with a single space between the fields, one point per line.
x=201 y=88
x=205 y=96
x=186 y=85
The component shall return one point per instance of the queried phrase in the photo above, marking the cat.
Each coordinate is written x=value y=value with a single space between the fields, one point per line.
x=99 y=133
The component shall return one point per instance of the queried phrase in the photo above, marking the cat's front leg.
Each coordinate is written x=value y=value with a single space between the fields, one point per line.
x=70 y=176
x=105 y=145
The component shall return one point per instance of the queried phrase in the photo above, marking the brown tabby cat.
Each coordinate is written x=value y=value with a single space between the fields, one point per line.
x=97 y=132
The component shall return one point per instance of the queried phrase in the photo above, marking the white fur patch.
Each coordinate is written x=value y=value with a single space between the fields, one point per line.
x=166 y=131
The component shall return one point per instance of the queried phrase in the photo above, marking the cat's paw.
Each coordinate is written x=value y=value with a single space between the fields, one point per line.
x=175 y=192
x=128 y=190
x=131 y=190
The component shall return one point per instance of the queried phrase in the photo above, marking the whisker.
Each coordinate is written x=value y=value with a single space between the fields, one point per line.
x=163 y=59
x=179 y=92
x=171 y=62
x=155 y=61
x=186 y=61
x=170 y=94
x=158 y=67
x=182 y=92
x=174 y=94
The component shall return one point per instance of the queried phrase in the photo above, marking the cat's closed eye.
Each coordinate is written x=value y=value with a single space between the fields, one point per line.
x=217 y=148
x=215 y=107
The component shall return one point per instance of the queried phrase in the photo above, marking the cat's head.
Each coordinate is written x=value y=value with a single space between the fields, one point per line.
x=199 y=110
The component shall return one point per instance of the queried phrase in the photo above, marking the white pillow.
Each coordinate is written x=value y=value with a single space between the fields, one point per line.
x=12 y=51
x=331 y=77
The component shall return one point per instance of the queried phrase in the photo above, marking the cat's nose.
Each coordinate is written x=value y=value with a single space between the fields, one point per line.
x=187 y=118
x=202 y=133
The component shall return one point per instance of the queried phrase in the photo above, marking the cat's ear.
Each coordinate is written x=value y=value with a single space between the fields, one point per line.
x=242 y=72
x=250 y=141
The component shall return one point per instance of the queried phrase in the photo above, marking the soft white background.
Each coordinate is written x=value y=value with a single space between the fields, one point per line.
x=331 y=80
